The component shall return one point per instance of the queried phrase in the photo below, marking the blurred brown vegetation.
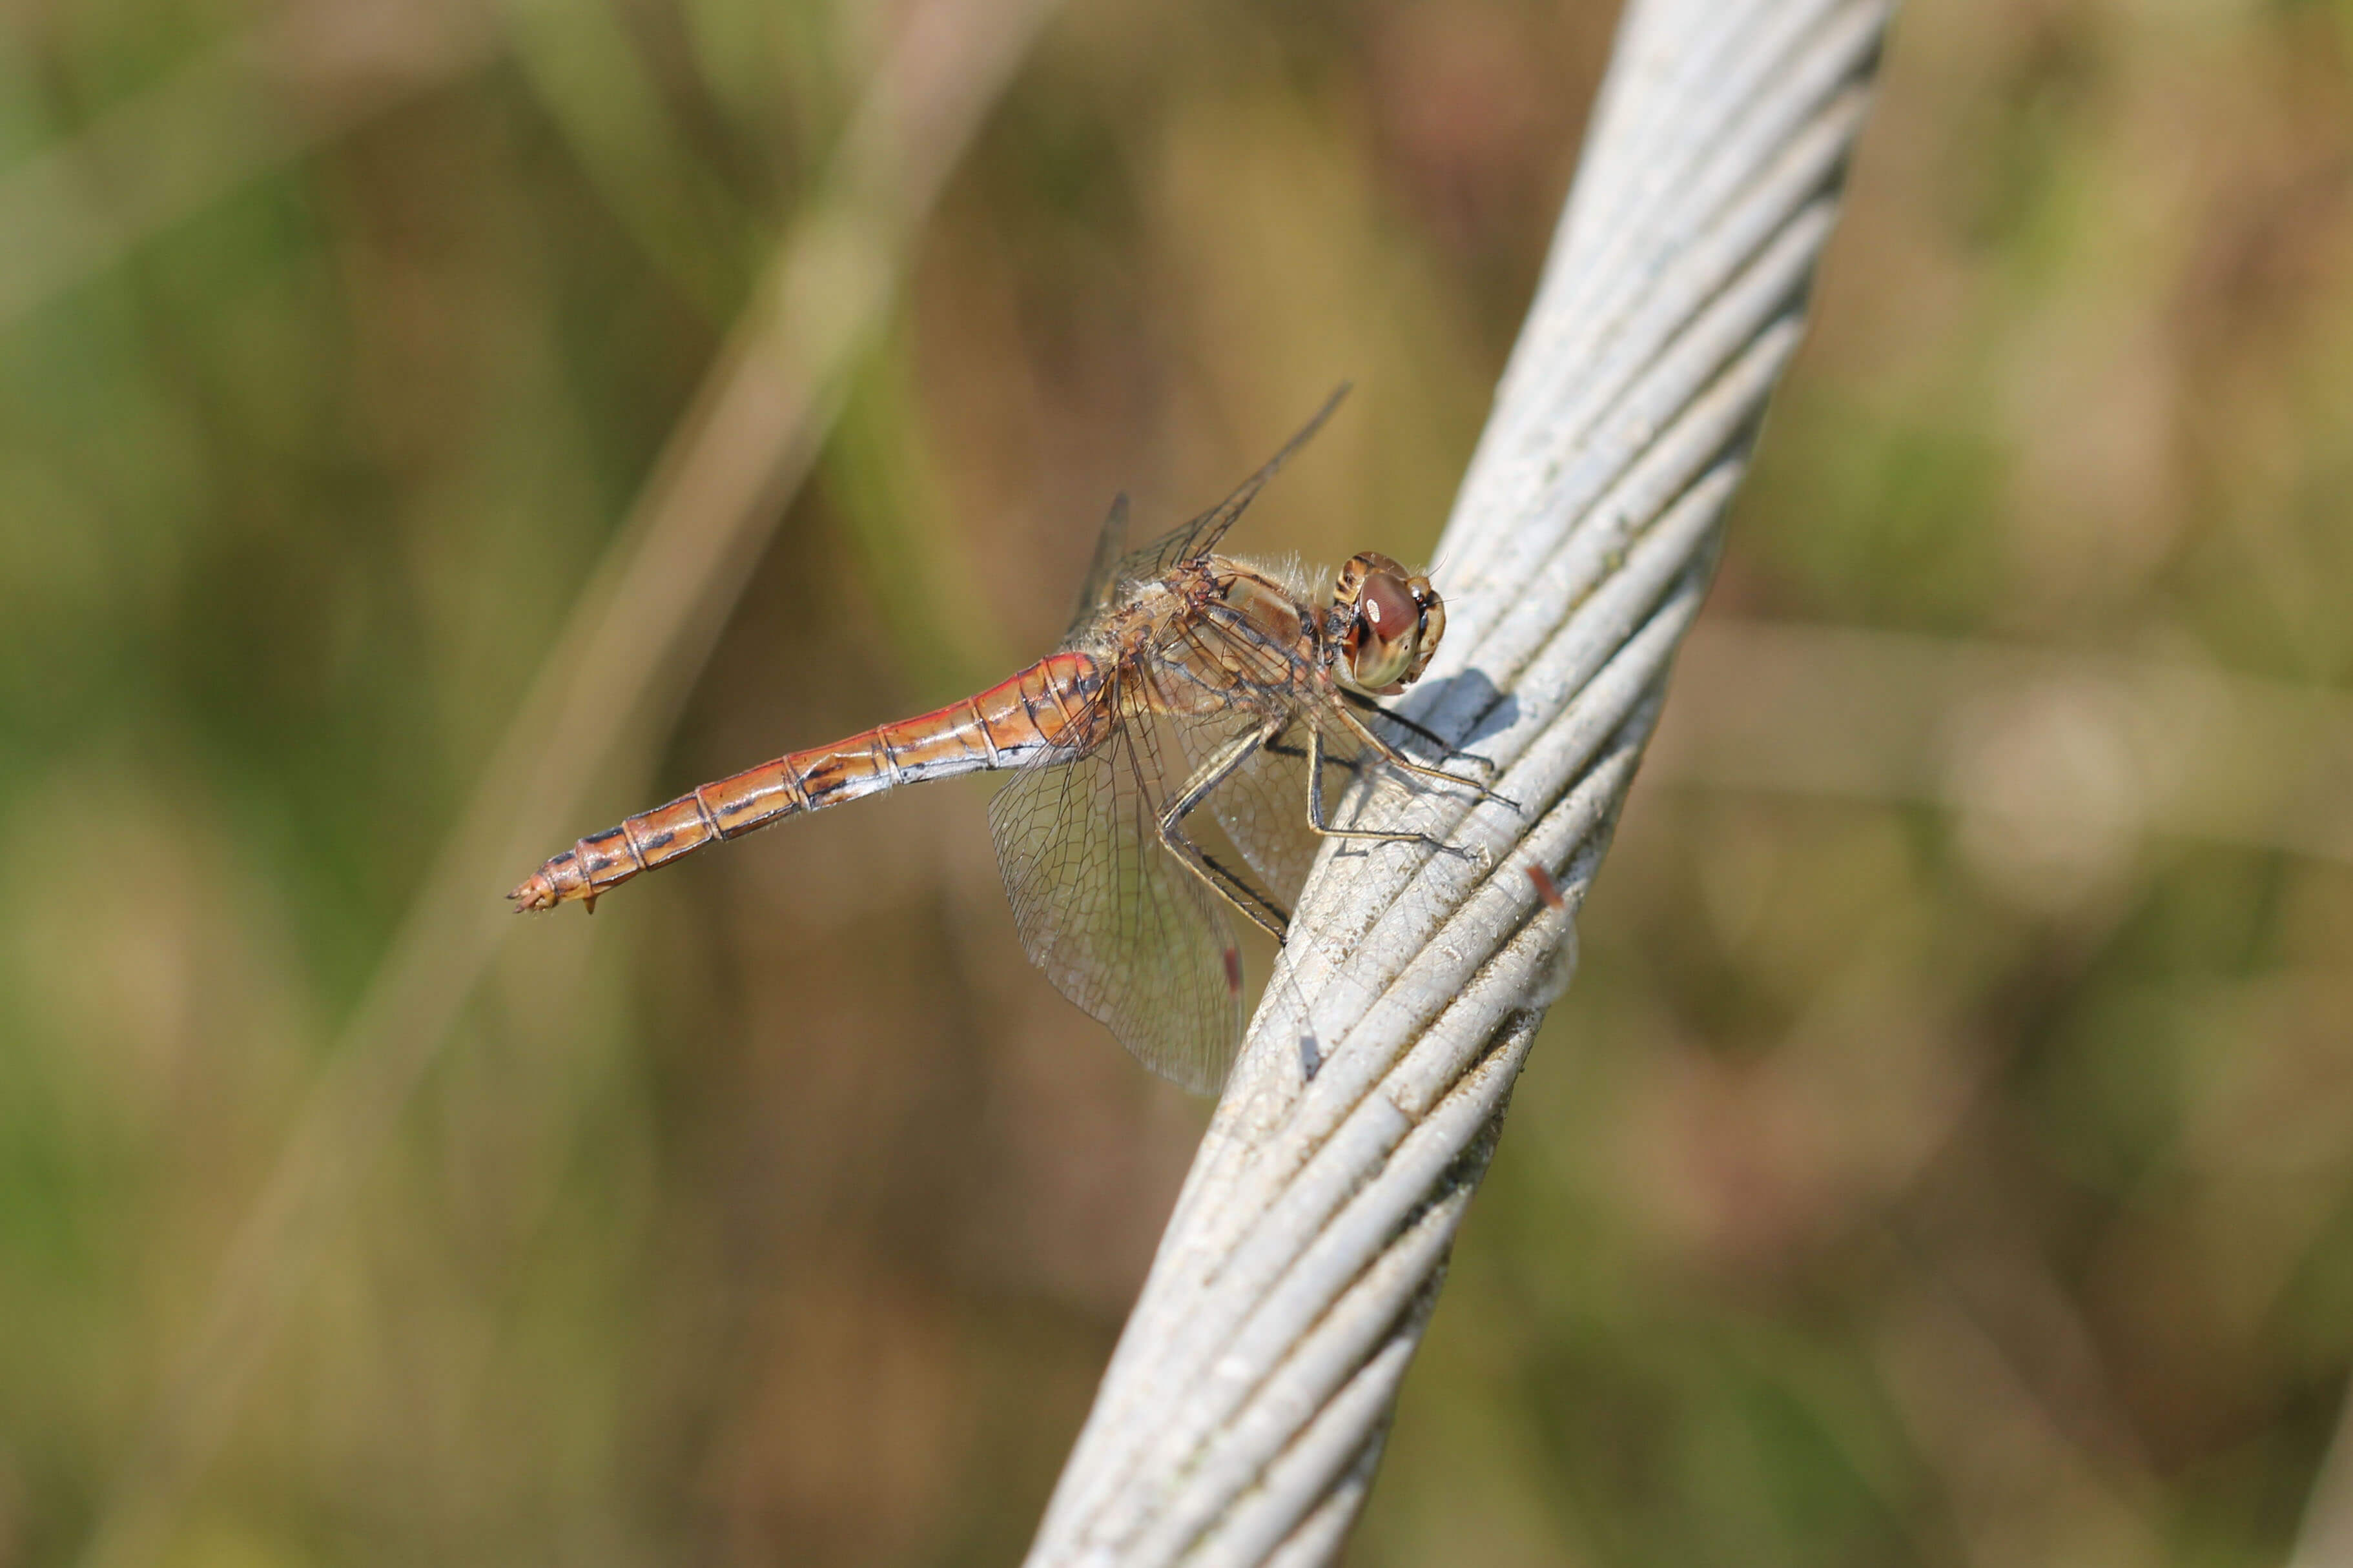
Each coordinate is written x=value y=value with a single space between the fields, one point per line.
x=1942 y=1156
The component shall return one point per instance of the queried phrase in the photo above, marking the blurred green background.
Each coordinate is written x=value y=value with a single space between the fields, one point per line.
x=1942 y=1156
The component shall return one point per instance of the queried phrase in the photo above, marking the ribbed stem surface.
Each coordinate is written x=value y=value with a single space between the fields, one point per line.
x=1242 y=1415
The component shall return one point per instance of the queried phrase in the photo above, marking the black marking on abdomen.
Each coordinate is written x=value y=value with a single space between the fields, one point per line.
x=828 y=777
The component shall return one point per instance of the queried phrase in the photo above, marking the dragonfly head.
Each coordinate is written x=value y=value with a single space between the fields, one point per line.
x=1386 y=624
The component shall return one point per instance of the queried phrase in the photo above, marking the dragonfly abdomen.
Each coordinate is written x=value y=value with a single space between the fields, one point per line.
x=1049 y=708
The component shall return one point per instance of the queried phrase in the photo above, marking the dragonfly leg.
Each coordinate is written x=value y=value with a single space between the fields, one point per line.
x=1377 y=836
x=1280 y=747
x=1404 y=763
x=1444 y=747
x=1269 y=915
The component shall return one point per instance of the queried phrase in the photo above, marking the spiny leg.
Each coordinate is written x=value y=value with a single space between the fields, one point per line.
x=1445 y=747
x=1270 y=916
x=1352 y=766
x=1404 y=763
x=1316 y=807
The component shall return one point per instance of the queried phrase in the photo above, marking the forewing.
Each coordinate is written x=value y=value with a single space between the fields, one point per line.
x=1264 y=805
x=1200 y=536
x=1122 y=929
x=1103 y=572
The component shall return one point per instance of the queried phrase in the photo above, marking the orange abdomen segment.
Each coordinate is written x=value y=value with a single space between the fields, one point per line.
x=1048 y=708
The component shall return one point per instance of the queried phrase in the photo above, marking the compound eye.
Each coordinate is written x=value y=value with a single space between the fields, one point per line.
x=1387 y=637
x=1432 y=627
x=1389 y=608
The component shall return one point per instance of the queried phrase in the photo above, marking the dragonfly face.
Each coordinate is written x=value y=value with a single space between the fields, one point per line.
x=1387 y=625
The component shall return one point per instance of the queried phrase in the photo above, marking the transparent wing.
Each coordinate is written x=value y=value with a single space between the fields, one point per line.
x=1264 y=804
x=1120 y=926
x=1103 y=572
x=1263 y=807
x=1201 y=535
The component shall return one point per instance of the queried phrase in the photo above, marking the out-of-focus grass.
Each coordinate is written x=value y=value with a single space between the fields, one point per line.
x=1898 y=1182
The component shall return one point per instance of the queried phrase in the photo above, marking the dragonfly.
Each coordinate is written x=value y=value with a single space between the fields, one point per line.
x=1187 y=680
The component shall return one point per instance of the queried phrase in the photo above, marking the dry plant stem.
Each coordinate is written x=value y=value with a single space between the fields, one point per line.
x=645 y=623
x=1241 y=1415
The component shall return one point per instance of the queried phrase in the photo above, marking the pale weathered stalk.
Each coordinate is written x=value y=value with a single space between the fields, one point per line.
x=1241 y=1417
